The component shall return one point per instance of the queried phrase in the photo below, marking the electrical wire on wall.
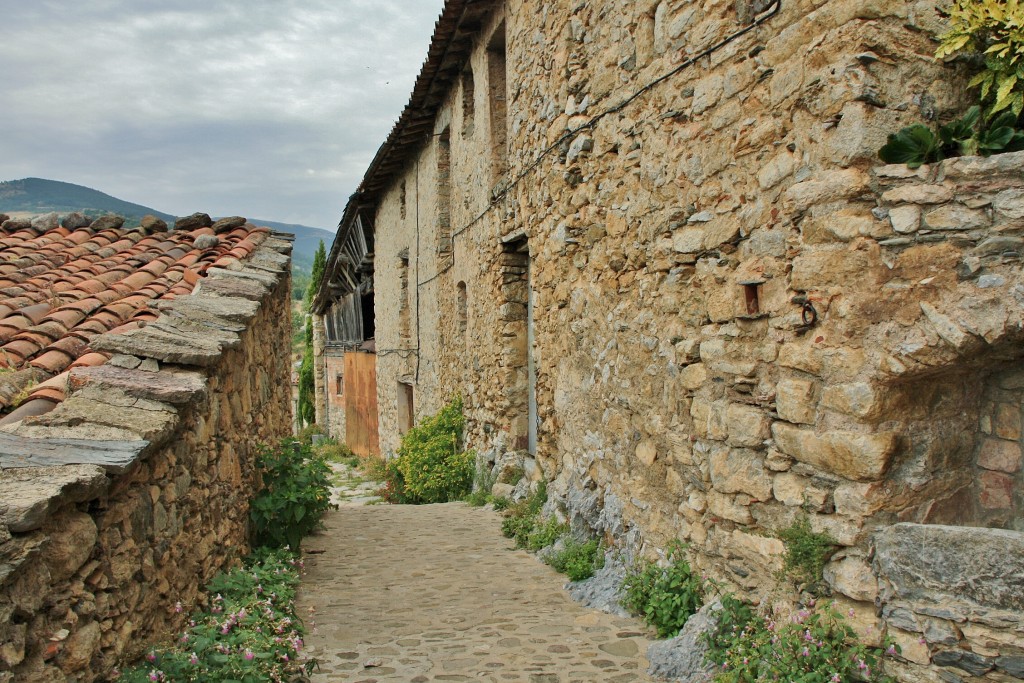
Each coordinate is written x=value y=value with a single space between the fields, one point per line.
x=768 y=13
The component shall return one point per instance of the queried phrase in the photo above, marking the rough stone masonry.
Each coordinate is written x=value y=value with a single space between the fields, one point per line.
x=673 y=280
x=94 y=556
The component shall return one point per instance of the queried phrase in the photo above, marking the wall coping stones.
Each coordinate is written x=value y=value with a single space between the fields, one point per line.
x=170 y=386
x=28 y=494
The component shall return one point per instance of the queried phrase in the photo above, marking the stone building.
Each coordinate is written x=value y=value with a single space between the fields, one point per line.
x=651 y=245
x=142 y=369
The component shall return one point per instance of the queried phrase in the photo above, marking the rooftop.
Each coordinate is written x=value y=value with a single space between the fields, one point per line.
x=62 y=284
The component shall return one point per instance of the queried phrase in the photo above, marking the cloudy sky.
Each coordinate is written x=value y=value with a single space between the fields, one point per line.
x=263 y=108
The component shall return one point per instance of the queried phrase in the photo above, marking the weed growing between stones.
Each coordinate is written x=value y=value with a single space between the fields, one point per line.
x=332 y=451
x=431 y=466
x=483 y=482
x=524 y=524
x=815 y=645
x=248 y=633
x=807 y=553
x=295 y=494
x=665 y=597
x=577 y=559
x=501 y=503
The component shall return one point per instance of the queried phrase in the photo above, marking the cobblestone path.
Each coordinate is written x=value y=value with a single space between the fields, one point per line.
x=435 y=593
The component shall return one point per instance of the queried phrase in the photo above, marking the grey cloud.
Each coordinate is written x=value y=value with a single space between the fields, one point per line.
x=291 y=97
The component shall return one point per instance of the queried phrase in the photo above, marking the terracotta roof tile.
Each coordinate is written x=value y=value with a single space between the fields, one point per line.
x=60 y=289
x=91 y=359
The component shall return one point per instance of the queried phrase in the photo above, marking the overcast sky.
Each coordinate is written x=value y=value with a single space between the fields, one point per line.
x=269 y=109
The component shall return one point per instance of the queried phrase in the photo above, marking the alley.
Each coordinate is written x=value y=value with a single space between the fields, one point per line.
x=435 y=593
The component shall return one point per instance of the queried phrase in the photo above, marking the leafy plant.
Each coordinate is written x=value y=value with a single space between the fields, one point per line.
x=431 y=466
x=501 y=503
x=294 y=496
x=522 y=517
x=807 y=552
x=544 y=533
x=483 y=482
x=970 y=134
x=995 y=30
x=665 y=597
x=577 y=559
x=249 y=632
x=815 y=645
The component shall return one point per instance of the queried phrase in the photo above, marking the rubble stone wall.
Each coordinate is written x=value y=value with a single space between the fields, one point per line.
x=94 y=558
x=739 y=318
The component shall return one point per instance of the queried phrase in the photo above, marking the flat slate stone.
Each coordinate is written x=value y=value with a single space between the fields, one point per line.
x=148 y=342
x=113 y=456
x=235 y=288
x=27 y=495
x=176 y=388
x=233 y=310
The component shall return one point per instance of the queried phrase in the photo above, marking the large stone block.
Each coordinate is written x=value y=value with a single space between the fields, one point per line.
x=853 y=455
x=795 y=400
x=945 y=565
x=737 y=470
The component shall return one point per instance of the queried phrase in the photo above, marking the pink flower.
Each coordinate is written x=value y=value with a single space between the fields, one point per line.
x=193 y=659
x=151 y=656
x=249 y=655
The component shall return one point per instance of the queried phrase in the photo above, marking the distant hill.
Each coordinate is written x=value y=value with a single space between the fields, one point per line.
x=37 y=195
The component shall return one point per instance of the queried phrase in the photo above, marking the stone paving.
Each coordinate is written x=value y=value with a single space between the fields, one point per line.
x=436 y=593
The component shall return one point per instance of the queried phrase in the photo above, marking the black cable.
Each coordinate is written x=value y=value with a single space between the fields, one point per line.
x=769 y=13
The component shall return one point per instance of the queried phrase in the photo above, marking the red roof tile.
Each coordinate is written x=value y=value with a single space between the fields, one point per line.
x=60 y=289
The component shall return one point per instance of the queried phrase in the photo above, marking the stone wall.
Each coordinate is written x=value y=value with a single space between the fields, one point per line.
x=94 y=557
x=738 y=318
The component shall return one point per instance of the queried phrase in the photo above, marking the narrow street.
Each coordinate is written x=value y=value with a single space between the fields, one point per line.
x=435 y=593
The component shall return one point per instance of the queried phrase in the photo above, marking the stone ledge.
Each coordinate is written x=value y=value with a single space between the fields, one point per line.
x=925 y=563
x=114 y=456
x=29 y=495
x=168 y=386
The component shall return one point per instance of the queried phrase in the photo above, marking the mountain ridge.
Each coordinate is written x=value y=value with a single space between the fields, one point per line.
x=41 y=195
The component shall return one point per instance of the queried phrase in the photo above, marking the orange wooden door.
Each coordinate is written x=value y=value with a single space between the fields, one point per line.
x=361 y=403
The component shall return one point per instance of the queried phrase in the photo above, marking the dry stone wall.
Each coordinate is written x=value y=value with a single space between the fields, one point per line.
x=738 y=318
x=94 y=557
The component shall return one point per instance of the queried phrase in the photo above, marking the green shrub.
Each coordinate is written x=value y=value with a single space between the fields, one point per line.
x=501 y=503
x=577 y=559
x=332 y=451
x=807 y=552
x=816 y=645
x=432 y=466
x=249 y=633
x=483 y=482
x=306 y=434
x=521 y=517
x=971 y=134
x=545 y=533
x=295 y=494
x=993 y=29
x=665 y=597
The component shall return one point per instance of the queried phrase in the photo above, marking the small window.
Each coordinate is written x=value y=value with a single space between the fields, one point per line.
x=462 y=308
x=406 y=409
x=401 y=200
x=468 y=103
x=339 y=385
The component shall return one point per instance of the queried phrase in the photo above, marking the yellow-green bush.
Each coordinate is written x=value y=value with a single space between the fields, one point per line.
x=432 y=466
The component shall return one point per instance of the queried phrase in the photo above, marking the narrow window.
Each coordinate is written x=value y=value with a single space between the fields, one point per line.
x=401 y=200
x=498 y=98
x=406 y=409
x=468 y=102
x=403 y=295
x=444 y=192
x=339 y=385
x=462 y=307
x=751 y=299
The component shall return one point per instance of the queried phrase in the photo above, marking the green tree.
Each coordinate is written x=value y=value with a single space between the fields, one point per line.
x=307 y=385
